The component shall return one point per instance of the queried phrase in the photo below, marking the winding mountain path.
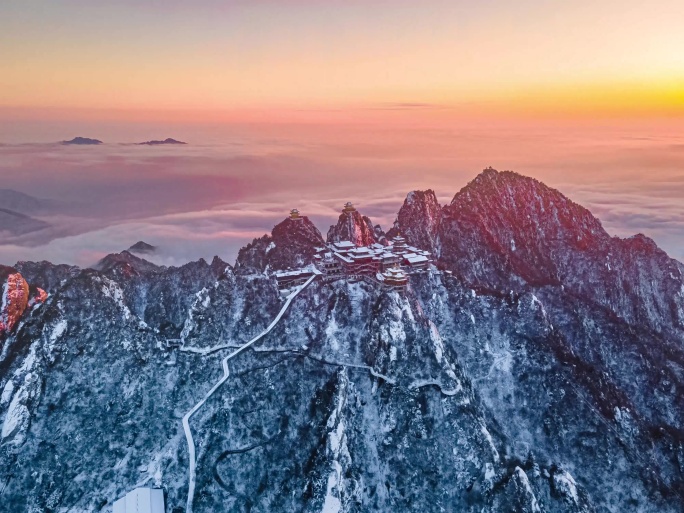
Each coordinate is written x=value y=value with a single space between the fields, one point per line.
x=226 y=373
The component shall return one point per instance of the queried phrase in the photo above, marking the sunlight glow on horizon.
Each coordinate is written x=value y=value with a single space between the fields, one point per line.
x=528 y=59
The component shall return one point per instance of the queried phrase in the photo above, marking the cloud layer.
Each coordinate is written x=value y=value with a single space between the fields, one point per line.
x=232 y=184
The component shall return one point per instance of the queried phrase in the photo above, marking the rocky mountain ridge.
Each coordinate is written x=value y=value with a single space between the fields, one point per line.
x=543 y=373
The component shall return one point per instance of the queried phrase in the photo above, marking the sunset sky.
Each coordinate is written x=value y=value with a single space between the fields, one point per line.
x=311 y=103
x=551 y=56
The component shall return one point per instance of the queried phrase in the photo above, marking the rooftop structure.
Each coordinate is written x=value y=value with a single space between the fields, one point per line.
x=289 y=279
x=393 y=278
x=141 y=500
x=386 y=265
x=348 y=207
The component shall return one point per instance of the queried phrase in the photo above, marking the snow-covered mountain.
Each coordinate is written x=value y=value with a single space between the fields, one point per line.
x=542 y=373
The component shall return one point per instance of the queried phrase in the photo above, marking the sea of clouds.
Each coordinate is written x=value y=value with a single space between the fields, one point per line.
x=231 y=184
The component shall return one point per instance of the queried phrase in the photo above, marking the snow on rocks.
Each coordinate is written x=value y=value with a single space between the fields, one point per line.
x=23 y=388
x=55 y=333
x=490 y=441
x=111 y=290
x=202 y=301
x=16 y=418
x=565 y=485
x=7 y=393
x=330 y=332
x=626 y=423
x=336 y=450
x=523 y=483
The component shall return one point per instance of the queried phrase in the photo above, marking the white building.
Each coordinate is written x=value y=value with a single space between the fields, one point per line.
x=141 y=500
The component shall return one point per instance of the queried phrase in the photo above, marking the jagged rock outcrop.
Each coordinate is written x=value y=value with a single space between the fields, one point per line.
x=17 y=296
x=418 y=220
x=15 y=299
x=354 y=227
x=380 y=235
x=291 y=244
x=508 y=385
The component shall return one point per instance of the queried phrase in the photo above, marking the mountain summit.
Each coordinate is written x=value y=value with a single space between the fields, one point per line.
x=142 y=247
x=292 y=243
x=354 y=227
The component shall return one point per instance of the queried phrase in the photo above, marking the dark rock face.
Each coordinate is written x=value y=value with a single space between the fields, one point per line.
x=82 y=141
x=352 y=226
x=529 y=380
x=291 y=244
x=46 y=275
x=418 y=220
x=380 y=235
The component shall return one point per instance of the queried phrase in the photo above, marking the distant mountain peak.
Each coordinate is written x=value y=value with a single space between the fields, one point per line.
x=82 y=141
x=125 y=261
x=168 y=140
x=142 y=247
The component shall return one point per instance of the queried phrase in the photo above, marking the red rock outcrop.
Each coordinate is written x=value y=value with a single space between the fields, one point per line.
x=15 y=299
x=40 y=296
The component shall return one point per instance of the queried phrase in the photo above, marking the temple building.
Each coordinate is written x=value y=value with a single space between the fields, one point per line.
x=289 y=279
x=394 y=279
x=348 y=208
x=386 y=265
x=294 y=215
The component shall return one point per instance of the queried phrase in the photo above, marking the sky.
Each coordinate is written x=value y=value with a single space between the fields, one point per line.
x=209 y=55
x=311 y=103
